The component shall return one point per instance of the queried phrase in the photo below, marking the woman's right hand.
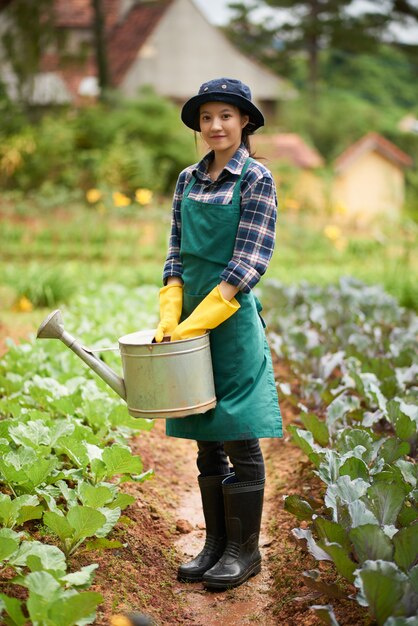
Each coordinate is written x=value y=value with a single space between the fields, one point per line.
x=171 y=304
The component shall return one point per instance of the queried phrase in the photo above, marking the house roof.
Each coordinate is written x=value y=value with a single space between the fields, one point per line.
x=288 y=147
x=124 y=37
x=372 y=142
x=128 y=26
x=79 y=13
x=129 y=36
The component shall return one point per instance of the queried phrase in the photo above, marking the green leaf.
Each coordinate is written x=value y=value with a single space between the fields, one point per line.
x=122 y=501
x=82 y=578
x=13 y=609
x=382 y=585
x=393 y=449
x=346 y=490
x=98 y=469
x=304 y=439
x=317 y=427
x=325 y=613
x=297 y=506
x=371 y=543
x=406 y=547
x=355 y=468
x=42 y=584
x=27 y=513
x=6 y=509
x=7 y=547
x=68 y=611
x=317 y=552
x=93 y=496
x=112 y=516
x=401 y=621
x=39 y=472
x=58 y=524
x=102 y=544
x=119 y=460
x=34 y=434
x=119 y=416
x=405 y=428
x=351 y=438
x=85 y=521
x=52 y=557
x=339 y=554
x=360 y=514
x=340 y=406
x=408 y=514
x=74 y=449
x=385 y=501
x=408 y=470
x=331 y=531
x=312 y=578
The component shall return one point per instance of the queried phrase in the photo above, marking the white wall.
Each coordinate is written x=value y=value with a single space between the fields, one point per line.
x=185 y=50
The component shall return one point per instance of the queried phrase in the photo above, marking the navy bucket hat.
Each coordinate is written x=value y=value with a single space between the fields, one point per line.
x=227 y=90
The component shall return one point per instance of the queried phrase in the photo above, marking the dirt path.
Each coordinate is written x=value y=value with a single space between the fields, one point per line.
x=249 y=604
x=165 y=527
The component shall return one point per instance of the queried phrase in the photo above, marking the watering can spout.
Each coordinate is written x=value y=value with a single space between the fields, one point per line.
x=53 y=328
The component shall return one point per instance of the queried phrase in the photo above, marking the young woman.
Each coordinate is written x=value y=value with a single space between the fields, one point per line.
x=222 y=239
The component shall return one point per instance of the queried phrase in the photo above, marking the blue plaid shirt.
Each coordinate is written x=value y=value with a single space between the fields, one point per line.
x=255 y=238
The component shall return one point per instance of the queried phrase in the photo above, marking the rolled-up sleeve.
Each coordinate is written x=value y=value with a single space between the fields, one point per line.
x=173 y=265
x=254 y=243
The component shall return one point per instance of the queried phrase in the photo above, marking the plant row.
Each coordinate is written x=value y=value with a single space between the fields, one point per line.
x=64 y=454
x=354 y=352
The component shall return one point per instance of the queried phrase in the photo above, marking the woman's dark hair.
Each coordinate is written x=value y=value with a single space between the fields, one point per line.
x=245 y=138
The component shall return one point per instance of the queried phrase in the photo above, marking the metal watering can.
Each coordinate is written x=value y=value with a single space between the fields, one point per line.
x=161 y=380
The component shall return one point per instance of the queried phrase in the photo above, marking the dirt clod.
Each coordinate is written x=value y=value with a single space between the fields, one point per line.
x=183 y=526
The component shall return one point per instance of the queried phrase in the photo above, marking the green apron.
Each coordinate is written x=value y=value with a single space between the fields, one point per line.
x=247 y=404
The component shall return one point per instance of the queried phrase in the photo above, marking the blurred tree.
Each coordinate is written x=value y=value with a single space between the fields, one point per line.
x=31 y=30
x=406 y=13
x=308 y=27
x=100 y=46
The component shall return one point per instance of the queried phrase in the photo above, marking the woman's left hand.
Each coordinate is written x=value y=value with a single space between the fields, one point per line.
x=212 y=311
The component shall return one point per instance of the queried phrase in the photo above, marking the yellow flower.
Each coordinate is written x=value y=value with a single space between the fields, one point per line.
x=119 y=199
x=292 y=203
x=332 y=232
x=341 y=209
x=340 y=243
x=24 y=305
x=143 y=196
x=93 y=195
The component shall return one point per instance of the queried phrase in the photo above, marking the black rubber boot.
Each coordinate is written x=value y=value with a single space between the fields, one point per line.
x=213 y=510
x=242 y=558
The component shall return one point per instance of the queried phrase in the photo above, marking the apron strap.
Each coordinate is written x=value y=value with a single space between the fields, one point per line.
x=237 y=187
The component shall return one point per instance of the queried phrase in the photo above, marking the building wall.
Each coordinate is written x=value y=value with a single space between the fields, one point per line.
x=369 y=187
x=185 y=50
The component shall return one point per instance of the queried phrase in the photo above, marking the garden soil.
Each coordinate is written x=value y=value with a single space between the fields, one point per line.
x=165 y=527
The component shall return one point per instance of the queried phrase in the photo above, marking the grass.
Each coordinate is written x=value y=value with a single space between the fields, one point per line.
x=47 y=256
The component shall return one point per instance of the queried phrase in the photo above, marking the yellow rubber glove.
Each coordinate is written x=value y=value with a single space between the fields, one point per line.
x=133 y=619
x=120 y=620
x=171 y=302
x=212 y=311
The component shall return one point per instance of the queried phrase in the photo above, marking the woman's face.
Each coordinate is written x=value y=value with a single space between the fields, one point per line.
x=221 y=125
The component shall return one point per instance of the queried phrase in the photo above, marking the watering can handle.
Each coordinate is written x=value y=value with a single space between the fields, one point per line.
x=92 y=351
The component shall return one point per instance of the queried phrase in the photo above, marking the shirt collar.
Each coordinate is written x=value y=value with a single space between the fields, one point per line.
x=234 y=165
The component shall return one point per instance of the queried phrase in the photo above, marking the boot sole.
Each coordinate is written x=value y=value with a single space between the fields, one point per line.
x=215 y=584
x=189 y=579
